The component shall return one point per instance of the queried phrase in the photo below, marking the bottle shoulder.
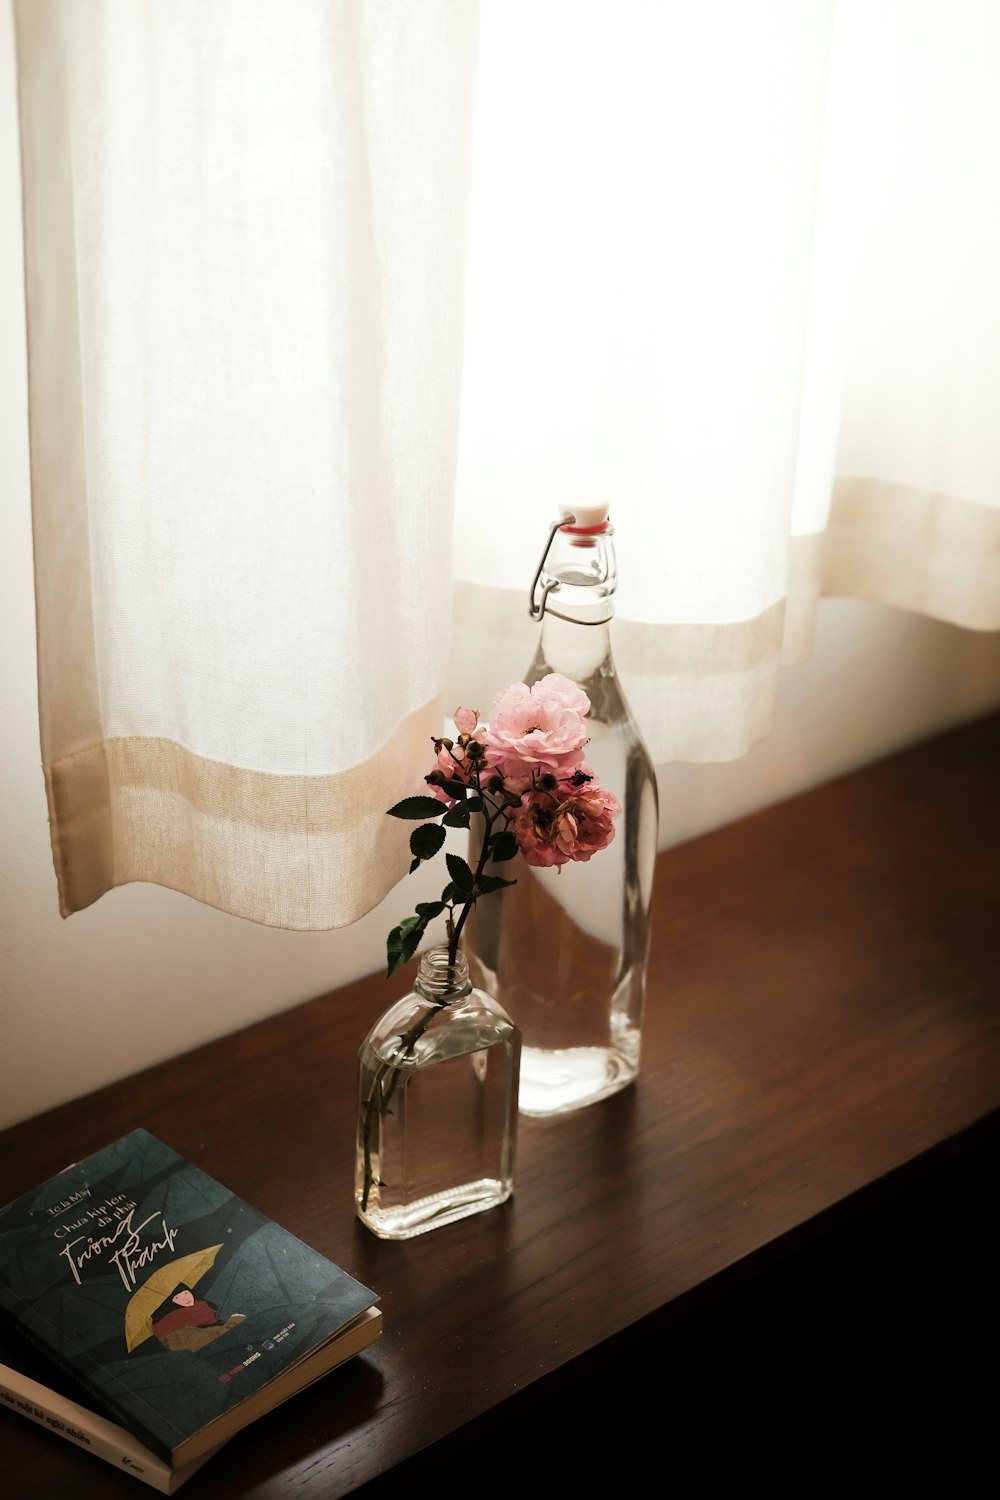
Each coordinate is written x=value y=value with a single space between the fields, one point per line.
x=415 y=1028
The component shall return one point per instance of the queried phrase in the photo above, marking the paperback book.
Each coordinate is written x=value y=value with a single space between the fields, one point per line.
x=32 y=1387
x=177 y=1310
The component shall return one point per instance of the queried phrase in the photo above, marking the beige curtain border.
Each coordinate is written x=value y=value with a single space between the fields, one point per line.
x=307 y=853
x=68 y=693
x=705 y=693
x=928 y=553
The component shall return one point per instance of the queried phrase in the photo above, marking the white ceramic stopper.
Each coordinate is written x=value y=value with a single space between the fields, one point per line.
x=593 y=513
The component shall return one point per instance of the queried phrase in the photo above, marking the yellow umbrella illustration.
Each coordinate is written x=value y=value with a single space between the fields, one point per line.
x=143 y=1303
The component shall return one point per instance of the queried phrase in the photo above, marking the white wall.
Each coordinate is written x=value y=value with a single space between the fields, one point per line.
x=146 y=973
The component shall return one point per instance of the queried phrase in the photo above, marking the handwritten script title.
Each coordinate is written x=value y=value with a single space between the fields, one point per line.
x=128 y=1246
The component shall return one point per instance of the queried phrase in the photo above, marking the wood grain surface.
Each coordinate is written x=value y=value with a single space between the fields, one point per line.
x=823 y=1018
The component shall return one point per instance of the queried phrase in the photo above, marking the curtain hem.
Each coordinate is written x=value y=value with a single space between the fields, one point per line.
x=705 y=692
x=306 y=853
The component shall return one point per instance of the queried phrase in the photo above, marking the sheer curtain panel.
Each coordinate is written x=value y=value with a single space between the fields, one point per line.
x=733 y=267
x=332 y=306
x=245 y=230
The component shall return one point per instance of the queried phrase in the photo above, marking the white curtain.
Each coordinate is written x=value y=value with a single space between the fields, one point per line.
x=734 y=268
x=330 y=307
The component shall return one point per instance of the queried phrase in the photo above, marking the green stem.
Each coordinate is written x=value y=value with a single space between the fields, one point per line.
x=378 y=1101
x=484 y=856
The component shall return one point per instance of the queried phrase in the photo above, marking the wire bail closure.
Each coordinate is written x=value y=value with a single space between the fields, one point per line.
x=538 y=604
x=537 y=610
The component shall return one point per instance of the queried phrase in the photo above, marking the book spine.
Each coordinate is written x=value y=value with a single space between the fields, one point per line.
x=86 y=1429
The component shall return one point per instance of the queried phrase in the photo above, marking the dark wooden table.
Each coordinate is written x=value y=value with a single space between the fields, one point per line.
x=822 y=1037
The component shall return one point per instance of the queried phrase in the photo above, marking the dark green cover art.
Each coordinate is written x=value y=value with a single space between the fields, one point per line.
x=168 y=1298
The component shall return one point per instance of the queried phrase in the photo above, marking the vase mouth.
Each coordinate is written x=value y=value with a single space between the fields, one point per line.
x=438 y=975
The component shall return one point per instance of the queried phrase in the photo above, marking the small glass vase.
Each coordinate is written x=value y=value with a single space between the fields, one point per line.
x=437 y=1104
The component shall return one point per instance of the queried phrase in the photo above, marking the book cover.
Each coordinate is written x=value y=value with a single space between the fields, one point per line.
x=182 y=1311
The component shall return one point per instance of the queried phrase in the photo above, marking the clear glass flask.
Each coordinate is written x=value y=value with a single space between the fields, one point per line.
x=437 y=1104
x=565 y=950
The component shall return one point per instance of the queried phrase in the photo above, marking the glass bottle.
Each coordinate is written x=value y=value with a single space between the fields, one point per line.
x=565 y=950
x=437 y=1104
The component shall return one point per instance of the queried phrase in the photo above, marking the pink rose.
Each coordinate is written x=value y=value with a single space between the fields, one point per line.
x=537 y=729
x=554 y=827
x=561 y=690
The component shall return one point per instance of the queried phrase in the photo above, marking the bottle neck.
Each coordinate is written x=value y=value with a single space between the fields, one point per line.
x=578 y=582
x=574 y=647
x=437 y=979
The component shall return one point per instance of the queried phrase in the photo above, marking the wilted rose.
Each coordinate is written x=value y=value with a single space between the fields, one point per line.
x=553 y=828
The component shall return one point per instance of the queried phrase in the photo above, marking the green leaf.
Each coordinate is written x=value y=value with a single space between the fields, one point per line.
x=488 y=883
x=426 y=840
x=460 y=873
x=474 y=804
x=402 y=943
x=451 y=892
x=417 y=808
x=458 y=817
x=504 y=847
x=429 y=909
x=454 y=788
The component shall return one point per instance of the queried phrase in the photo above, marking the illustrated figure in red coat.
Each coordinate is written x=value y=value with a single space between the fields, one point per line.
x=184 y=1321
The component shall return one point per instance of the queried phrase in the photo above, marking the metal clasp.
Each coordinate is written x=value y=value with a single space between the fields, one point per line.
x=538 y=603
x=537 y=610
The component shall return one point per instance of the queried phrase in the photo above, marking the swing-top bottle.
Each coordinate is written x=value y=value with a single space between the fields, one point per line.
x=564 y=950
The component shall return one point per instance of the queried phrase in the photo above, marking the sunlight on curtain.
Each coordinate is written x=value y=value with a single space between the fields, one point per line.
x=732 y=268
x=331 y=307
